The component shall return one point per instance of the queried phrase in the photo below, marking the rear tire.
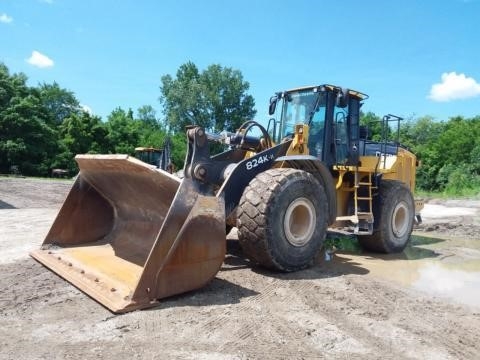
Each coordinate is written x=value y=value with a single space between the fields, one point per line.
x=394 y=212
x=282 y=219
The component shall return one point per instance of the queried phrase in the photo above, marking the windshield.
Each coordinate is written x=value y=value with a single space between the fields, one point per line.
x=301 y=107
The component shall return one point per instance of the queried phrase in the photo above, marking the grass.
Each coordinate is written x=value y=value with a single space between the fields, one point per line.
x=460 y=194
x=342 y=242
x=7 y=176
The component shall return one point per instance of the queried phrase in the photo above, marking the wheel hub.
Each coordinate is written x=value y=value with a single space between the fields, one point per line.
x=400 y=219
x=299 y=222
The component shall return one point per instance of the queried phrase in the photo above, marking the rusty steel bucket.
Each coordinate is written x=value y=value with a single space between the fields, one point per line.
x=129 y=234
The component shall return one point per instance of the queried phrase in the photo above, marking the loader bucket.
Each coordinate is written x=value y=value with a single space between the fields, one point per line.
x=129 y=234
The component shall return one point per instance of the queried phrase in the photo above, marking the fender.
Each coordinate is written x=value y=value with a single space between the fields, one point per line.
x=244 y=171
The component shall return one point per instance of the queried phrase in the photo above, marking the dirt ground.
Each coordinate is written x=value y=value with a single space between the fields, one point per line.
x=421 y=304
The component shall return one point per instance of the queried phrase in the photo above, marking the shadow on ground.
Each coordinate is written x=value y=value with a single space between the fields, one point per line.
x=235 y=260
x=217 y=292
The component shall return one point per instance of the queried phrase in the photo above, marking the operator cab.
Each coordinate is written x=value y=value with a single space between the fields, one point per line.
x=332 y=114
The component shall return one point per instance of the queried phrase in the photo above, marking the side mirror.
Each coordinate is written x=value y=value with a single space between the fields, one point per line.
x=342 y=99
x=273 y=105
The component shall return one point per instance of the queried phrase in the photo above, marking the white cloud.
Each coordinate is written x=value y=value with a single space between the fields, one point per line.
x=4 y=18
x=454 y=87
x=86 y=108
x=39 y=60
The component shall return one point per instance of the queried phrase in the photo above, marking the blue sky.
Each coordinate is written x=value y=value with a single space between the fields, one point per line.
x=413 y=58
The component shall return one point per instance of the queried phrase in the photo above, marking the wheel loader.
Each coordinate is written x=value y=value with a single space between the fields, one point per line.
x=161 y=158
x=129 y=234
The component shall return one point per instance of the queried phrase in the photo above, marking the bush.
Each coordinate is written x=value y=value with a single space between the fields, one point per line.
x=443 y=177
x=462 y=181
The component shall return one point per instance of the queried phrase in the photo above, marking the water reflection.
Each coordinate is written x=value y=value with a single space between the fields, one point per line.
x=448 y=268
x=424 y=240
x=459 y=285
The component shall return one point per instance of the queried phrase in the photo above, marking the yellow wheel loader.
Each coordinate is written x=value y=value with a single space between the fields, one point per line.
x=161 y=158
x=130 y=234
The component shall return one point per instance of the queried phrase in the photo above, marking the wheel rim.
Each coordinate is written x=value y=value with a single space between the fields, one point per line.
x=299 y=222
x=400 y=219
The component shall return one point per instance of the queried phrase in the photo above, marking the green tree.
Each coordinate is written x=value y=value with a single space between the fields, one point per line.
x=215 y=99
x=462 y=180
x=373 y=124
x=59 y=103
x=80 y=133
x=475 y=158
x=457 y=140
x=123 y=133
x=420 y=133
x=448 y=152
x=26 y=139
x=229 y=103
x=419 y=136
x=179 y=149
x=151 y=131
x=147 y=115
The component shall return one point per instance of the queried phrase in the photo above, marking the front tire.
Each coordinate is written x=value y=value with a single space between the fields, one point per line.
x=282 y=220
x=394 y=212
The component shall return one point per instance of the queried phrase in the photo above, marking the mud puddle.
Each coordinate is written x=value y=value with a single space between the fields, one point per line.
x=439 y=267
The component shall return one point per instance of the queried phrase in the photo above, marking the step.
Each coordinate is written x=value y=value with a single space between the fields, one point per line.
x=354 y=218
x=365 y=216
x=363 y=232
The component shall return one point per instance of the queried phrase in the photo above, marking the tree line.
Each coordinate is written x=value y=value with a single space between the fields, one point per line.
x=43 y=127
x=448 y=151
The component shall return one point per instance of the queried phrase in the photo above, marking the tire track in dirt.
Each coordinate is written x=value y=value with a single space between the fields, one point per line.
x=341 y=336
x=300 y=317
x=373 y=314
x=379 y=324
x=245 y=313
x=247 y=328
x=436 y=320
x=284 y=331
